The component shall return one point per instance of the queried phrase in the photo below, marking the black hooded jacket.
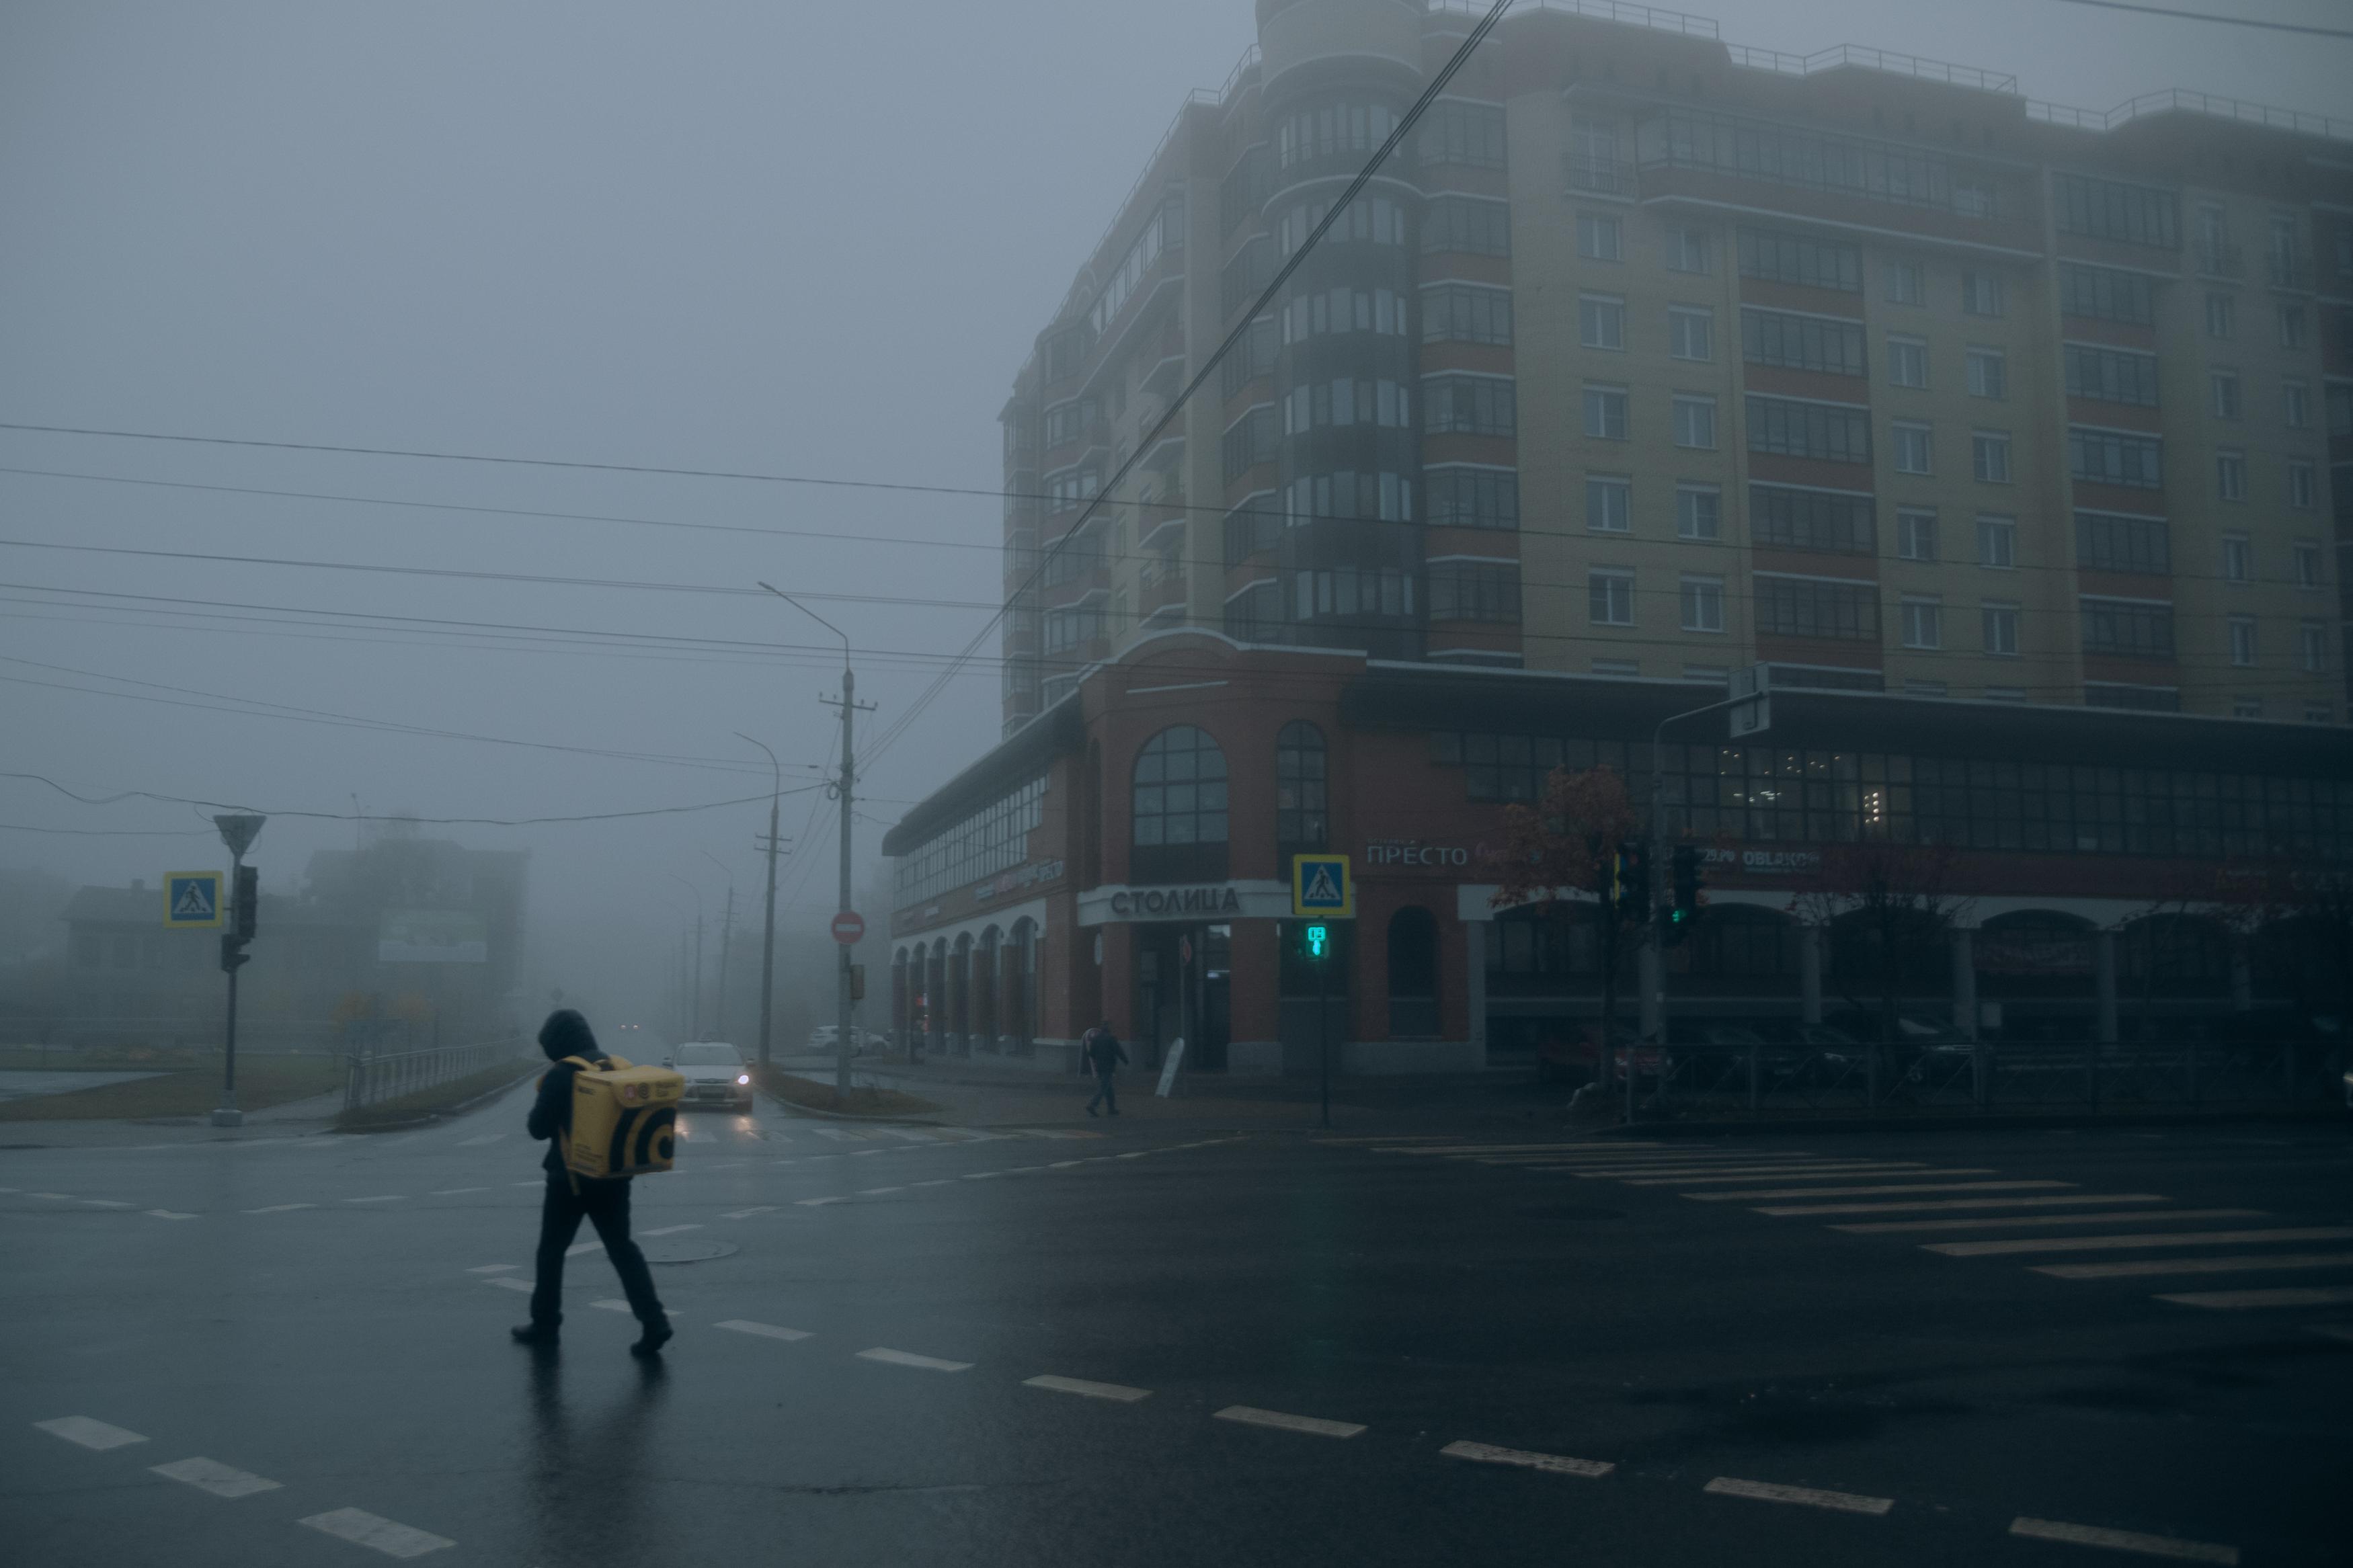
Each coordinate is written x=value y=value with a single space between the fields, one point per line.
x=565 y=1034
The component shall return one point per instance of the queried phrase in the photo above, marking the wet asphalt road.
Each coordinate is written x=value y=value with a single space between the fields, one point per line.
x=326 y=1313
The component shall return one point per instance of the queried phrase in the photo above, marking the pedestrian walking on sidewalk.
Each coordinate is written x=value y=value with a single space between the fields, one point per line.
x=570 y=1198
x=1104 y=1052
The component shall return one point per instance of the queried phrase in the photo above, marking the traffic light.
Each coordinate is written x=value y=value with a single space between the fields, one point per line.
x=1315 y=940
x=247 y=908
x=1633 y=891
x=233 y=954
x=1687 y=884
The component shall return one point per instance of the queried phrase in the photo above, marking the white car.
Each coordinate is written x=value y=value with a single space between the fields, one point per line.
x=716 y=1074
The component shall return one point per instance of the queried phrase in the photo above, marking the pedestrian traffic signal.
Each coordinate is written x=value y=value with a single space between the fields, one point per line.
x=1317 y=941
x=1687 y=884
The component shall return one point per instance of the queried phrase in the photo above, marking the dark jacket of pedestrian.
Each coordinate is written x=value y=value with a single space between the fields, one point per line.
x=565 y=1034
x=1103 y=1050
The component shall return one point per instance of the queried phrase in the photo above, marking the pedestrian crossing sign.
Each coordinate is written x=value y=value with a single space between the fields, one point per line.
x=1321 y=887
x=192 y=898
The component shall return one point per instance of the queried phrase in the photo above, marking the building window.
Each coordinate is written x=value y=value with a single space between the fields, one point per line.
x=1179 y=806
x=1605 y=412
x=1798 y=259
x=1816 y=607
x=1610 y=596
x=2242 y=639
x=1323 y=403
x=1459 y=405
x=1698 y=512
x=2105 y=295
x=1461 y=495
x=2115 y=458
x=1466 y=313
x=1982 y=294
x=1251 y=439
x=2127 y=628
x=2110 y=375
x=2229 y=476
x=1622 y=668
x=1600 y=321
x=1598 y=237
x=2225 y=386
x=1690 y=250
x=2339 y=402
x=1833 y=432
x=2001 y=626
x=1609 y=504
x=1696 y=422
x=2114 y=541
x=1703 y=604
x=1996 y=540
x=1905 y=281
x=1467 y=134
x=1989 y=374
x=2246 y=706
x=2296 y=405
x=1475 y=590
x=2238 y=558
x=2312 y=647
x=1381 y=310
x=2292 y=325
x=2112 y=209
x=1301 y=819
x=1915 y=448
x=1924 y=623
x=1990 y=457
x=2307 y=563
x=2303 y=486
x=1835 y=522
x=1336 y=130
x=1907 y=361
x=1691 y=332
x=2222 y=315
x=1468 y=225
x=1801 y=342
x=1915 y=534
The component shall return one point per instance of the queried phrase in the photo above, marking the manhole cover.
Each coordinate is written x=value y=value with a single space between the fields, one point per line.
x=685 y=1251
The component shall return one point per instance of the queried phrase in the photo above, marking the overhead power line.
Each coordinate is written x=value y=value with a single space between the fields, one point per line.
x=378 y=816
x=2219 y=21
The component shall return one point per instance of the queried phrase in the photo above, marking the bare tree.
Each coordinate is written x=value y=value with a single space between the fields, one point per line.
x=1887 y=904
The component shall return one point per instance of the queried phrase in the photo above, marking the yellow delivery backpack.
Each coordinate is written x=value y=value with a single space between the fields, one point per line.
x=624 y=1118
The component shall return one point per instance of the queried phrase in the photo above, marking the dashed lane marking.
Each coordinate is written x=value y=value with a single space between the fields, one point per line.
x=282 y=1209
x=1249 y=1416
x=869 y=1192
x=526 y=1184
x=670 y=1230
x=611 y=1304
x=911 y=1136
x=455 y=1192
x=212 y=1475
x=2129 y=1243
x=1553 y=1464
x=577 y=1248
x=1826 y=1173
x=504 y=1283
x=1811 y=1497
x=2013 y=1186
x=118 y=1203
x=381 y=1199
x=815 y=1203
x=747 y=1213
x=2244 y=1263
x=89 y=1433
x=1520 y=1149
x=362 y=1529
x=909 y=1358
x=2284 y=1296
x=61 y=1197
x=2004 y=1222
x=980 y=1176
x=839 y=1134
x=1600 y=1157
x=170 y=1213
x=855 y=1152
x=766 y=1331
x=1927 y=1204
x=935 y=1182
x=2125 y=1540
x=491 y=1269
x=2333 y=1330
x=1080 y=1387
x=1064 y=1164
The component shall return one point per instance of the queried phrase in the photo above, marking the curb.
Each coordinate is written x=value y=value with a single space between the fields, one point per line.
x=2001 y=1123
x=790 y=1109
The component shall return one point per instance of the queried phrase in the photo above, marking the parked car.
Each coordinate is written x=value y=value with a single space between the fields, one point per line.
x=822 y=1040
x=1570 y=1056
x=1809 y=1053
x=1924 y=1049
x=716 y=1074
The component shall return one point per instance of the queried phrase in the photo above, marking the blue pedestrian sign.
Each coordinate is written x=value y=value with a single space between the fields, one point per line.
x=1321 y=888
x=192 y=898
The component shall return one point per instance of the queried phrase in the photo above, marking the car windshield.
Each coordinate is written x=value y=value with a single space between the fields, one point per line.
x=709 y=1055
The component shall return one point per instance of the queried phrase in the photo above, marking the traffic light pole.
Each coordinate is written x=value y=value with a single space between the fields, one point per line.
x=1323 y=1030
x=1654 y=951
x=238 y=831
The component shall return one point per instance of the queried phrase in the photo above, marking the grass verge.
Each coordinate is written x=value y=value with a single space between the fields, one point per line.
x=442 y=1098
x=186 y=1085
x=810 y=1095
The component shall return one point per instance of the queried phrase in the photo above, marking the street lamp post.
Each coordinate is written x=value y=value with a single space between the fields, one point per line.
x=768 y=924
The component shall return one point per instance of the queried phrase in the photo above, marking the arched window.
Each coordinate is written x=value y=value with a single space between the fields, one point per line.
x=1413 y=973
x=1302 y=818
x=1179 y=808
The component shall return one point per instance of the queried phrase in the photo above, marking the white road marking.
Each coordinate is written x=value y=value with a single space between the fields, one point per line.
x=539 y=1183
x=670 y=1230
x=2125 y=1540
x=610 y=1304
x=2333 y=1330
x=2004 y=1222
x=170 y=1213
x=61 y=1197
x=2070 y=1200
x=878 y=1192
x=813 y=1203
x=935 y=1182
x=477 y=1141
x=491 y=1269
x=766 y=1331
x=2285 y=1296
x=364 y=1528
x=747 y=1213
x=908 y=1358
x=980 y=1176
x=1025 y=1169
x=89 y=1433
x=1812 y=1172
x=912 y=1137
x=839 y=1134
x=2244 y=1263
x=282 y=1209
x=381 y=1199
x=854 y=1153
x=1251 y=1416
x=1664 y=1158
x=1812 y=1497
x=1064 y=1164
x=1871 y=1192
x=118 y=1203
x=503 y=1283
x=454 y=1192
x=2127 y=1243
x=1080 y=1387
x=211 y=1476
x=1554 y=1464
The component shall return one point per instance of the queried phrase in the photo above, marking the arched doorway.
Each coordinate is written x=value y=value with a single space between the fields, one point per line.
x=985 y=1023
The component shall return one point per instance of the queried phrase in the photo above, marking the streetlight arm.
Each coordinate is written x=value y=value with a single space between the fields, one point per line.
x=812 y=614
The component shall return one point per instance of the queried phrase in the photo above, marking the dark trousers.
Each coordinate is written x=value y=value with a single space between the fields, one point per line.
x=606 y=1205
x=1106 y=1094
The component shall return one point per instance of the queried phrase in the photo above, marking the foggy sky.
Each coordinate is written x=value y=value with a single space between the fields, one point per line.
x=795 y=239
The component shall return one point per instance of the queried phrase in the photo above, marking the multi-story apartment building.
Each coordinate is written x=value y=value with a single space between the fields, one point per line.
x=2018 y=440
x=1648 y=355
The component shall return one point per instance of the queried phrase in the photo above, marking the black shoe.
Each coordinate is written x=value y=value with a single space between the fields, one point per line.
x=534 y=1334
x=655 y=1336
x=1114 y=1110
x=1091 y=1110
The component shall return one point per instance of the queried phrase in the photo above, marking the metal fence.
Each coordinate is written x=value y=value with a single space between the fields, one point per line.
x=1896 y=1081
x=374 y=1077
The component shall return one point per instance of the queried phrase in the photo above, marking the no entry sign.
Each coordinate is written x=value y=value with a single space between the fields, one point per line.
x=848 y=927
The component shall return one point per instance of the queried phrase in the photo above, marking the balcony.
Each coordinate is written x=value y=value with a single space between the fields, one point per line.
x=2221 y=260
x=1594 y=174
x=2289 y=269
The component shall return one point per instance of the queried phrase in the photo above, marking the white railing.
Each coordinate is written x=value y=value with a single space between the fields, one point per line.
x=2183 y=99
x=1868 y=58
x=1635 y=16
x=373 y=1078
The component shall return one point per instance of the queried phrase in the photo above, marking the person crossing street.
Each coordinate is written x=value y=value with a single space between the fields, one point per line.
x=1104 y=1052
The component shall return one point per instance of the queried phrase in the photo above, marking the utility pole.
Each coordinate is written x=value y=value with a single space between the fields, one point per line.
x=844 y=792
x=768 y=925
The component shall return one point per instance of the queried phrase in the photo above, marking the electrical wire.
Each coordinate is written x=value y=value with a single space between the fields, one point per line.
x=2220 y=21
x=374 y=816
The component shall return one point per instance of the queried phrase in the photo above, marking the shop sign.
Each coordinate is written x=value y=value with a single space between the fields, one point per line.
x=1763 y=861
x=1415 y=852
x=1020 y=877
x=1218 y=899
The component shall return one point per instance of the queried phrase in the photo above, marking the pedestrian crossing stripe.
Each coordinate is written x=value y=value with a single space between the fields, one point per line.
x=192 y=898
x=1320 y=885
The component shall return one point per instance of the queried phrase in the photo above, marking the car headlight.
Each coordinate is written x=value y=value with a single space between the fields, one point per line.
x=743 y=1078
